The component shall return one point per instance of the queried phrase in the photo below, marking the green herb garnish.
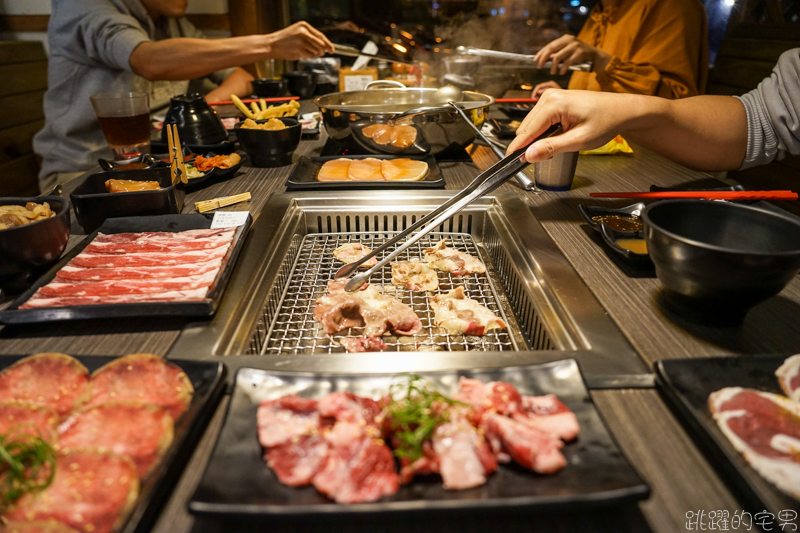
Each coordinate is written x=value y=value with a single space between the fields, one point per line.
x=416 y=414
x=27 y=464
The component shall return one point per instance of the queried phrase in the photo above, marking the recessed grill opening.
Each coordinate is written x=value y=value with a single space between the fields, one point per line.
x=287 y=324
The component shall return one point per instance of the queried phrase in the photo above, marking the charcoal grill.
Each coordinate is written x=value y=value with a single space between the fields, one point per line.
x=266 y=317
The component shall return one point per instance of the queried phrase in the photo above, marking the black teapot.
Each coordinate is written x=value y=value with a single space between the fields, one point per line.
x=197 y=123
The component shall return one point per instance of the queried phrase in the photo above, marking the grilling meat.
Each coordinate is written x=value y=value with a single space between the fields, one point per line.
x=362 y=344
x=765 y=428
x=440 y=257
x=377 y=313
x=789 y=377
x=414 y=275
x=352 y=252
x=143 y=377
x=52 y=379
x=459 y=314
x=92 y=492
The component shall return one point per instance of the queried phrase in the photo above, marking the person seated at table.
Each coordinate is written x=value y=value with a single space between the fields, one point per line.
x=710 y=133
x=653 y=47
x=101 y=46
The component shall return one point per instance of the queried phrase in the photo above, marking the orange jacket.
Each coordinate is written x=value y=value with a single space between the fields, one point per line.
x=658 y=47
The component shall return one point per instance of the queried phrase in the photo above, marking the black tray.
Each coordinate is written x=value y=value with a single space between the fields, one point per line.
x=304 y=175
x=687 y=383
x=209 y=380
x=175 y=223
x=238 y=484
x=518 y=110
x=502 y=129
x=216 y=174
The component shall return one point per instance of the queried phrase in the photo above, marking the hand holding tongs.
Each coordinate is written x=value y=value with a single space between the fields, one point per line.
x=525 y=58
x=176 y=165
x=486 y=182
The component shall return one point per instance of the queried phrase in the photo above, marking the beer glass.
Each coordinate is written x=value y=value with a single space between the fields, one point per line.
x=125 y=120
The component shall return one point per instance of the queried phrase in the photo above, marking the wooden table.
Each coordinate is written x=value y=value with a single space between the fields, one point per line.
x=654 y=441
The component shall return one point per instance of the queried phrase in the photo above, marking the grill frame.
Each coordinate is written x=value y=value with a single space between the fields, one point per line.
x=535 y=277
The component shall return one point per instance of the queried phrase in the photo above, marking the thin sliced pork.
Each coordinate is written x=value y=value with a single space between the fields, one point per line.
x=788 y=375
x=297 y=460
x=286 y=418
x=166 y=236
x=465 y=459
x=414 y=275
x=352 y=252
x=37 y=301
x=146 y=259
x=457 y=313
x=440 y=257
x=530 y=447
x=117 y=287
x=362 y=344
x=73 y=273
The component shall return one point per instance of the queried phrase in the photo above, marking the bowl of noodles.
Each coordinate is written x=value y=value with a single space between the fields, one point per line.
x=33 y=234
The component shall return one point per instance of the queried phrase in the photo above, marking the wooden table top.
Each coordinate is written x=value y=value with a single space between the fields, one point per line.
x=653 y=440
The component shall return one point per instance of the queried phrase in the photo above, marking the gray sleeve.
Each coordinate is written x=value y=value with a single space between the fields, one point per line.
x=773 y=113
x=109 y=36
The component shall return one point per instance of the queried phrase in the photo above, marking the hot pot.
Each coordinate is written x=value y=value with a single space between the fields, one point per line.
x=420 y=116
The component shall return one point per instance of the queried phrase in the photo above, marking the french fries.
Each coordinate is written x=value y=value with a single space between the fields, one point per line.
x=260 y=110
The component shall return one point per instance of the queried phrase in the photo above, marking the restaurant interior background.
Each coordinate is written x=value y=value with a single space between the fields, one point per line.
x=745 y=37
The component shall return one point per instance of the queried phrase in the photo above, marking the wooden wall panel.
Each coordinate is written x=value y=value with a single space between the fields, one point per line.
x=23 y=77
x=19 y=176
x=26 y=108
x=18 y=140
x=21 y=51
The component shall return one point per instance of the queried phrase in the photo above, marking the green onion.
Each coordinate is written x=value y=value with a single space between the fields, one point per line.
x=27 y=464
x=415 y=415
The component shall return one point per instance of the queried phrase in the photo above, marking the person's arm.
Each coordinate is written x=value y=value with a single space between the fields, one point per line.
x=188 y=58
x=704 y=132
x=237 y=83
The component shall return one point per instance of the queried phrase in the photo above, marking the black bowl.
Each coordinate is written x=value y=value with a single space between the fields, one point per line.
x=719 y=259
x=33 y=247
x=198 y=124
x=93 y=204
x=301 y=83
x=326 y=88
x=270 y=148
x=589 y=211
x=268 y=87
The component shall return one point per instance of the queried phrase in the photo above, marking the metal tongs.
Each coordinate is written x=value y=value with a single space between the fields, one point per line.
x=350 y=51
x=525 y=58
x=486 y=182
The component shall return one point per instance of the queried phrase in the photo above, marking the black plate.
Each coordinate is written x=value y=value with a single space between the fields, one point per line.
x=216 y=174
x=518 y=110
x=238 y=484
x=589 y=211
x=208 y=380
x=304 y=175
x=206 y=307
x=687 y=383
x=610 y=237
x=502 y=129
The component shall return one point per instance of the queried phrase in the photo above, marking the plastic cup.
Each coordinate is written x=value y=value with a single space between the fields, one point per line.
x=125 y=120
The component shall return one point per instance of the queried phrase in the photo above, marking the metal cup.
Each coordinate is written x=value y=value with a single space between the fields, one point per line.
x=556 y=173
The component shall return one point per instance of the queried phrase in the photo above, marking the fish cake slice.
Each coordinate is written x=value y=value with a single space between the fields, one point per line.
x=52 y=379
x=27 y=418
x=368 y=169
x=140 y=430
x=403 y=169
x=144 y=377
x=92 y=492
x=335 y=170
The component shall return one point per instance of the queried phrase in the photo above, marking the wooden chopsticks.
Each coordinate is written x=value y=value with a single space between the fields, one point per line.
x=176 y=164
x=216 y=203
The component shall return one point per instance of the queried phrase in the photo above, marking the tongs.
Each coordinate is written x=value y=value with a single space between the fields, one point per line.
x=525 y=58
x=486 y=182
x=176 y=164
x=344 y=50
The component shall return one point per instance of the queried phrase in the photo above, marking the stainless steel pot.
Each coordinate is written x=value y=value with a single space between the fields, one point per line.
x=435 y=125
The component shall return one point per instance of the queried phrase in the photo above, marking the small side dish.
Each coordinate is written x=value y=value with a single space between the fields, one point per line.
x=12 y=216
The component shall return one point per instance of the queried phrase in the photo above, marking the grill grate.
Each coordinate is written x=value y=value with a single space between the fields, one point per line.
x=293 y=329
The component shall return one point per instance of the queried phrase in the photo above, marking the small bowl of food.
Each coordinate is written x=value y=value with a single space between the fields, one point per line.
x=621 y=219
x=269 y=142
x=33 y=234
x=268 y=87
x=126 y=193
x=629 y=246
x=213 y=168
x=716 y=260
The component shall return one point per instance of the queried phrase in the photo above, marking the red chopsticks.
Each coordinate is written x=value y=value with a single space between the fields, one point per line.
x=706 y=195
x=248 y=100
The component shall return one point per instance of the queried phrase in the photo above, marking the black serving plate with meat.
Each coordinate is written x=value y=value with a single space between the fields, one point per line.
x=209 y=380
x=304 y=175
x=687 y=383
x=237 y=483
x=174 y=223
x=216 y=174
x=502 y=127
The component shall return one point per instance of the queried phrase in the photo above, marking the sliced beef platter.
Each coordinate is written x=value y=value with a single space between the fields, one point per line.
x=107 y=430
x=355 y=449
